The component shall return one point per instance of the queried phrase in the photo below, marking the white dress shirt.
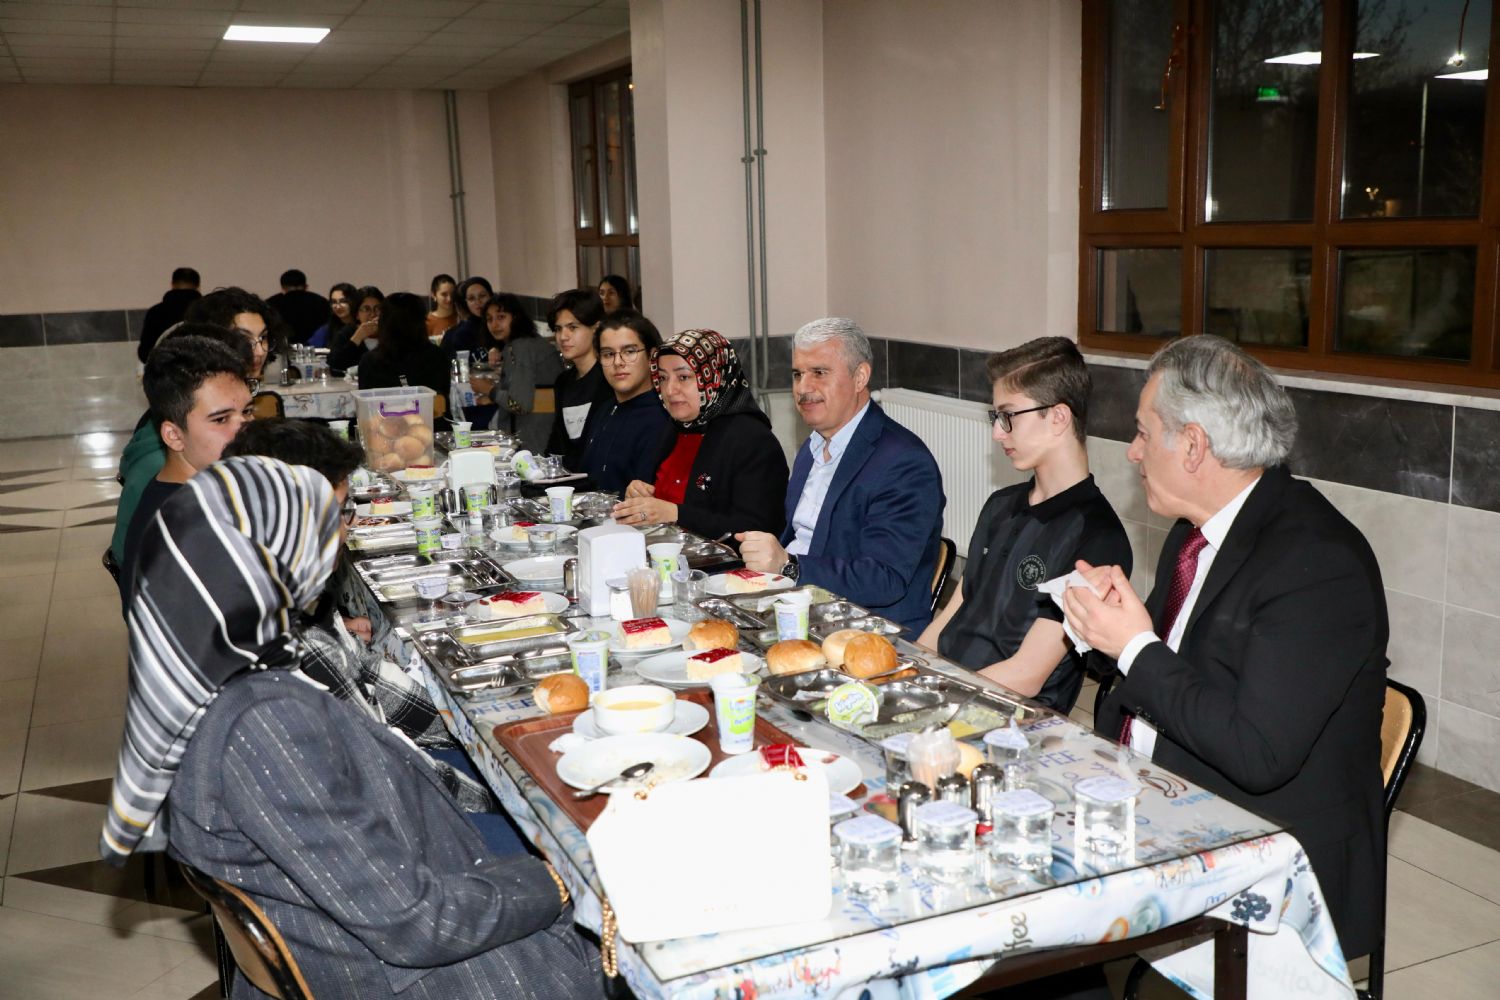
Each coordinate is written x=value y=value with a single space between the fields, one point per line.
x=819 y=478
x=1215 y=530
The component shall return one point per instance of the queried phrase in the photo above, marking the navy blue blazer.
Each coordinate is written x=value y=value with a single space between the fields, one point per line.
x=878 y=534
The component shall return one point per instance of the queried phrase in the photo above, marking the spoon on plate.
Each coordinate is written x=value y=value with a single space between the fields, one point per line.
x=630 y=773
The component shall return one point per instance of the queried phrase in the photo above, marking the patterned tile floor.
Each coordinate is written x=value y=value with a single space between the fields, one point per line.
x=72 y=927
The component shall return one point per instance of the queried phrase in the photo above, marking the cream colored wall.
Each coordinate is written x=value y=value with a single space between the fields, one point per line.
x=531 y=184
x=103 y=190
x=952 y=167
x=689 y=142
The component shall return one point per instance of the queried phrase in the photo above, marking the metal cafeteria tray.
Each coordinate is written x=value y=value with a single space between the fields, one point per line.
x=869 y=623
x=745 y=621
x=506 y=671
x=473 y=642
x=760 y=601
x=835 y=611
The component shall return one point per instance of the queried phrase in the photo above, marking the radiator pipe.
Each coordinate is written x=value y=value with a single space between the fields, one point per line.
x=760 y=169
x=748 y=158
x=456 y=185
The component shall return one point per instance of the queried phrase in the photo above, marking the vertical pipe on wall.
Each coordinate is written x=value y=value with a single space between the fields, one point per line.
x=456 y=185
x=748 y=158
x=760 y=169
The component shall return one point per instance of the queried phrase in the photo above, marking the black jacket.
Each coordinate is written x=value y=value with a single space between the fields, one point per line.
x=569 y=391
x=163 y=316
x=302 y=311
x=623 y=439
x=427 y=365
x=738 y=480
x=343 y=352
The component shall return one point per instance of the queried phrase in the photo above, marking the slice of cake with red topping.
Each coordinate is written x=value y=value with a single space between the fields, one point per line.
x=712 y=663
x=416 y=472
x=383 y=505
x=644 y=633
x=748 y=581
x=515 y=604
x=515 y=532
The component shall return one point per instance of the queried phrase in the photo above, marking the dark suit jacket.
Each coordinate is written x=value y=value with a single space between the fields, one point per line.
x=878 y=534
x=347 y=839
x=738 y=480
x=1275 y=698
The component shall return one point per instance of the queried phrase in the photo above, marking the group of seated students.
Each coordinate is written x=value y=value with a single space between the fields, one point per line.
x=269 y=742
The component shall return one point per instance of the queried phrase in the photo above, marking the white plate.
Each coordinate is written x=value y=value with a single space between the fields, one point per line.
x=690 y=718
x=400 y=508
x=842 y=773
x=537 y=569
x=564 y=532
x=555 y=604
x=670 y=669
x=718 y=584
x=678 y=629
x=677 y=758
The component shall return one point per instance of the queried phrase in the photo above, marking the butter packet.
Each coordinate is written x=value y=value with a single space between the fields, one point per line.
x=853 y=704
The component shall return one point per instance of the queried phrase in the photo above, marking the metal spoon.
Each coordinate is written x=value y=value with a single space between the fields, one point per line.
x=631 y=772
x=933 y=727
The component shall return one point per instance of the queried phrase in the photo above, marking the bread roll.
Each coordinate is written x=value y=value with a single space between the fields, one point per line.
x=868 y=654
x=833 y=646
x=713 y=633
x=793 y=656
x=969 y=758
x=562 y=693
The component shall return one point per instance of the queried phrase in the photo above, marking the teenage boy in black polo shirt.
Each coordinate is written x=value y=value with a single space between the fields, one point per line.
x=998 y=622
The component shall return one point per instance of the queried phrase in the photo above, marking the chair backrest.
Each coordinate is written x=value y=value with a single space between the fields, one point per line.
x=947 y=553
x=545 y=400
x=268 y=404
x=259 y=951
x=1401 y=728
x=111 y=565
x=439 y=406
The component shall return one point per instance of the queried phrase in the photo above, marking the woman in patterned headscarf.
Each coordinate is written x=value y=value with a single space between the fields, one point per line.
x=722 y=470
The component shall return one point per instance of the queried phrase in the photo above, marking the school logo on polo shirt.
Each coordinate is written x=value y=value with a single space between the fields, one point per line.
x=1031 y=572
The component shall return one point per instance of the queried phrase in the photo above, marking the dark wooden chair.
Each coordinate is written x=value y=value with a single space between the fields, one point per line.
x=947 y=555
x=258 y=949
x=268 y=404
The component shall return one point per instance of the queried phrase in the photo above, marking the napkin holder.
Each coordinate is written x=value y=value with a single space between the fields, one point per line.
x=470 y=465
x=606 y=551
x=724 y=854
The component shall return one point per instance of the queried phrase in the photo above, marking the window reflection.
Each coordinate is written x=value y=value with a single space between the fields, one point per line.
x=1136 y=160
x=1140 y=291
x=1259 y=295
x=1411 y=303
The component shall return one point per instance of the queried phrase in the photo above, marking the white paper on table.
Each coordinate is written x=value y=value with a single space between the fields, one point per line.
x=1055 y=588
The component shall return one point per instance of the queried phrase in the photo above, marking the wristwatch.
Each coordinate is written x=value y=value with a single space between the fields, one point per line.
x=790 y=568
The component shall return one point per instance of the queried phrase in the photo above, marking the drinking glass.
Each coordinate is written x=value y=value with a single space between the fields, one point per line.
x=432 y=589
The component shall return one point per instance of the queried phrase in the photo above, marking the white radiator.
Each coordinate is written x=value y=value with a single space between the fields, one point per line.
x=973 y=466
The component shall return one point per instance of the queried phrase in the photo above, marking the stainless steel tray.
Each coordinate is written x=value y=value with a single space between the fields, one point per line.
x=513 y=636
x=508 y=671
x=835 y=611
x=745 y=621
x=869 y=623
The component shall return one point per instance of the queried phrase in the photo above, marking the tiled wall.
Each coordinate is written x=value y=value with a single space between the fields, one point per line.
x=69 y=373
x=1418 y=472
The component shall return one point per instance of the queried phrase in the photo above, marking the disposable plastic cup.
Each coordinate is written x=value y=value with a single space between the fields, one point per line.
x=792 y=612
x=560 y=498
x=734 y=710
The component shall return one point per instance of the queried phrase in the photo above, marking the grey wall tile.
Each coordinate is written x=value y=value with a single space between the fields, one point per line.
x=880 y=365
x=1471 y=671
x=1476 y=458
x=134 y=318
x=1395 y=445
x=1432 y=741
x=21 y=330
x=1140 y=554
x=1409 y=536
x=1473 y=554
x=1118 y=479
x=973 y=378
x=1415 y=656
x=1112 y=405
x=924 y=367
x=23 y=364
x=779 y=371
x=85 y=327
x=1467 y=747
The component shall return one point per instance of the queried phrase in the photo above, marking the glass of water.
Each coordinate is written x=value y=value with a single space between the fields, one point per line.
x=869 y=853
x=431 y=589
x=1022 y=836
x=1104 y=815
x=945 y=841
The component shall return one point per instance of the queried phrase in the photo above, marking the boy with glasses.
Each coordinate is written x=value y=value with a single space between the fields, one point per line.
x=627 y=430
x=998 y=622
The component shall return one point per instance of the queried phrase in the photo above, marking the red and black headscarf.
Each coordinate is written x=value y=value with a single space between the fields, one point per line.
x=722 y=385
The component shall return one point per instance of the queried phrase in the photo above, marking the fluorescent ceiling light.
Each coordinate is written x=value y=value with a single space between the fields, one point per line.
x=1312 y=58
x=263 y=33
x=1472 y=74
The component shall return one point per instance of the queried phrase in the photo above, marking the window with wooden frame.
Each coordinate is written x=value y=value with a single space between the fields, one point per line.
x=601 y=117
x=1304 y=177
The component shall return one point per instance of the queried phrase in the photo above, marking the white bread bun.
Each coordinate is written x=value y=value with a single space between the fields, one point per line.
x=868 y=654
x=969 y=758
x=712 y=633
x=793 y=656
x=833 y=646
x=562 y=693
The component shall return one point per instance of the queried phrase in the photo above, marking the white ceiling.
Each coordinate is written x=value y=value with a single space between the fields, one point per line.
x=376 y=44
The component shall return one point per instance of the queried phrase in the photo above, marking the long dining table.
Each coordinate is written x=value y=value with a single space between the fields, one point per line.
x=1236 y=887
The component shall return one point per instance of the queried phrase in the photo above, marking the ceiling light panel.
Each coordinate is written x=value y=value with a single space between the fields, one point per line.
x=270 y=33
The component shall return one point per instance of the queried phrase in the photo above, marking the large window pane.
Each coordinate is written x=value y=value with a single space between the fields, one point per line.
x=583 y=159
x=1411 y=302
x=1136 y=132
x=1264 y=109
x=612 y=177
x=1140 y=291
x=1259 y=296
x=1416 y=121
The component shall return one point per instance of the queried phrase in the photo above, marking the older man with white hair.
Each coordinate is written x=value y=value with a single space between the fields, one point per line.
x=864 y=507
x=1257 y=666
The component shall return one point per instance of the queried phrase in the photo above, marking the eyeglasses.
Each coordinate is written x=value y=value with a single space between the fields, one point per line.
x=261 y=339
x=627 y=354
x=1005 y=417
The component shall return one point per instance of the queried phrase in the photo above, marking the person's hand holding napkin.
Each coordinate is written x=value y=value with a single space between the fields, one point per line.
x=1102 y=610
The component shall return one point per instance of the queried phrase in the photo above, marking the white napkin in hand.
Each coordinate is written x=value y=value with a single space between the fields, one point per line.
x=1055 y=588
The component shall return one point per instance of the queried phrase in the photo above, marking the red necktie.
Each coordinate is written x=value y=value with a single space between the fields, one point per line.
x=1182 y=582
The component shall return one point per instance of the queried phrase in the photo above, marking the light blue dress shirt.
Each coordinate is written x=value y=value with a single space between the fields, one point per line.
x=819 y=478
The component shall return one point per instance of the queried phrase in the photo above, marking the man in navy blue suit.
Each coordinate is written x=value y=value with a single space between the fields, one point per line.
x=864 y=507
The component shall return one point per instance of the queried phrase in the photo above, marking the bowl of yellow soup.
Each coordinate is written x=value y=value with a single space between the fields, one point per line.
x=635 y=708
